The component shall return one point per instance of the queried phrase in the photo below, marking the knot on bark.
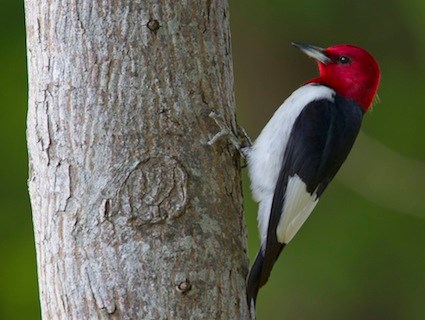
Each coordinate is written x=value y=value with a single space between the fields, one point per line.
x=184 y=286
x=153 y=25
x=155 y=190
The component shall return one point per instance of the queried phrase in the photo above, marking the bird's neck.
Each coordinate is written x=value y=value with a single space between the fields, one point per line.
x=362 y=92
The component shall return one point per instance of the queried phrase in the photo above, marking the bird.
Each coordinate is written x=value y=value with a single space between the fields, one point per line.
x=303 y=146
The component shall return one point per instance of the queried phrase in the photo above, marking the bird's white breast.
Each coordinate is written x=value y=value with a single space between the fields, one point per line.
x=266 y=155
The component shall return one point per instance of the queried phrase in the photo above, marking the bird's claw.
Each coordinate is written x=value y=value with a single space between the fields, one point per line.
x=224 y=130
x=235 y=140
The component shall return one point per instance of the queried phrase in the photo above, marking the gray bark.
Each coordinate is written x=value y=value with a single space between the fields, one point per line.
x=134 y=217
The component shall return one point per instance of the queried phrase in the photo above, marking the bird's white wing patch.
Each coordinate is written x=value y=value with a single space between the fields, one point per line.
x=299 y=203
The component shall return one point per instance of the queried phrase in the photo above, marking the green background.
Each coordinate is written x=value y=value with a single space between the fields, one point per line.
x=361 y=254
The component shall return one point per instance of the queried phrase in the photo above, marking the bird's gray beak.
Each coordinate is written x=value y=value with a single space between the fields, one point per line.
x=312 y=51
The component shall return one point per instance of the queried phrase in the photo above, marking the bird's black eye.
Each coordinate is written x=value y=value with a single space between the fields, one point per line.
x=344 y=60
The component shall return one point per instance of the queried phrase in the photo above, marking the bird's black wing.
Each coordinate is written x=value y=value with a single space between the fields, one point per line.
x=320 y=140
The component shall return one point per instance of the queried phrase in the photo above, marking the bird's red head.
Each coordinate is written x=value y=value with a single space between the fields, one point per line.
x=349 y=70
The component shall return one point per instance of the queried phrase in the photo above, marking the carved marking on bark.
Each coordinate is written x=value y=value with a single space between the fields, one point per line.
x=161 y=191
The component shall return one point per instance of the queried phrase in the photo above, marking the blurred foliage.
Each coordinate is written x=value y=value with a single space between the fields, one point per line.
x=356 y=257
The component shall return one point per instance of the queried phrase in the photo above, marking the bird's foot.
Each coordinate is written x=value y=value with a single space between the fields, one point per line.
x=241 y=141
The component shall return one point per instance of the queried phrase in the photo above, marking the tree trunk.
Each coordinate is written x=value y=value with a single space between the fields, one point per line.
x=134 y=217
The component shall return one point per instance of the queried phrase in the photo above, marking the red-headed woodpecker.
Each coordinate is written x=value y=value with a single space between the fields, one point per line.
x=303 y=146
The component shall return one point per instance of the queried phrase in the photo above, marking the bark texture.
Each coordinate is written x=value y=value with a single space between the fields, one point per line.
x=134 y=217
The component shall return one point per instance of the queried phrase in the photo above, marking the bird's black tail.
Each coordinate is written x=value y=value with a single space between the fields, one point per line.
x=260 y=272
x=254 y=277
